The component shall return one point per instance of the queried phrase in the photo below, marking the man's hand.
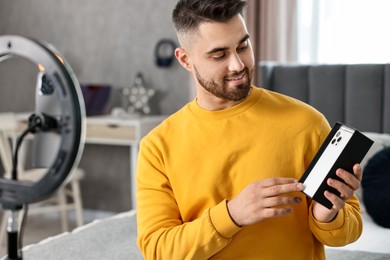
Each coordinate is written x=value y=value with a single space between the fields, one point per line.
x=263 y=199
x=347 y=189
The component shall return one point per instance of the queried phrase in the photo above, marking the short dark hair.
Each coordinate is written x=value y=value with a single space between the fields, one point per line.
x=189 y=14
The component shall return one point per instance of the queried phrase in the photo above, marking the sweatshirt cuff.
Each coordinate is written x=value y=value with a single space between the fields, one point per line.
x=221 y=220
x=335 y=224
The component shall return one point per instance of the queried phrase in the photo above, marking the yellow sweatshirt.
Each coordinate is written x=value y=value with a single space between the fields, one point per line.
x=196 y=160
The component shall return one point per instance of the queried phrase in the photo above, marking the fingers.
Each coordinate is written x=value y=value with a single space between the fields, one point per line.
x=346 y=191
x=357 y=171
x=276 y=181
x=352 y=180
x=279 y=186
x=271 y=193
x=350 y=184
x=264 y=199
x=338 y=203
x=277 y=212
x=280 y=201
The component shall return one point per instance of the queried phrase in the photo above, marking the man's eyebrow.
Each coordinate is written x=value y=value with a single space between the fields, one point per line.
x=218 y=49
x=245 y=38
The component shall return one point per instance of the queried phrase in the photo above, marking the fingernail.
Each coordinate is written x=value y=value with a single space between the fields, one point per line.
x=300 y=186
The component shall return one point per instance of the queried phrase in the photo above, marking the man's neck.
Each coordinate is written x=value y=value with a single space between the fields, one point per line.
x=210 y=102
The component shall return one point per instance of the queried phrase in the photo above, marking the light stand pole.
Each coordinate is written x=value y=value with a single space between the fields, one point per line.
x=12 y=231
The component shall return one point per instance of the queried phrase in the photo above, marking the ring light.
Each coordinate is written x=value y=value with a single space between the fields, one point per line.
x=69 y=115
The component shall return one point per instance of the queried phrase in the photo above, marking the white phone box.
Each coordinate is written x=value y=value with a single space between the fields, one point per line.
x=343 y=148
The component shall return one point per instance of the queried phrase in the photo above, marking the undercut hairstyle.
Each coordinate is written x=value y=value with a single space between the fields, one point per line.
x=189 y=14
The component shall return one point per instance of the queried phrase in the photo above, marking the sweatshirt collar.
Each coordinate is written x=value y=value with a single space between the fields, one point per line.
x=198 y=111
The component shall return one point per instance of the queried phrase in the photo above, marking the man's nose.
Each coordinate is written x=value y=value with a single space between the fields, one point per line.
x=235 y=63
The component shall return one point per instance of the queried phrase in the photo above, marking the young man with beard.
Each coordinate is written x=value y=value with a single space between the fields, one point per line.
x=218 y=179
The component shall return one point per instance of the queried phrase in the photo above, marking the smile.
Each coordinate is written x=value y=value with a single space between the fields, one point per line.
x=239 y=77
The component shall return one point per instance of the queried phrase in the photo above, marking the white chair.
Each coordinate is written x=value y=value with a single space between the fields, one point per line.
x=68 y=196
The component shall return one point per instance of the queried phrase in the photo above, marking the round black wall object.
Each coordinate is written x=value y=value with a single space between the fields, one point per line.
x=164 y=53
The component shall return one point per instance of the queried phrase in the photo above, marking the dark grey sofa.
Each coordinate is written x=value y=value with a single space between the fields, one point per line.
x=357 y=95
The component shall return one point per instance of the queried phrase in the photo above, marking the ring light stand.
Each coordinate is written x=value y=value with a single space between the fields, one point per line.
x=57 y=82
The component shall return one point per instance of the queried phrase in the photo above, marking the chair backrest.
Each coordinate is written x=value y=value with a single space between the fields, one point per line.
x=8 y=126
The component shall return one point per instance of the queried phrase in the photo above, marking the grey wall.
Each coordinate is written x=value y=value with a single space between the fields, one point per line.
x=103 y=41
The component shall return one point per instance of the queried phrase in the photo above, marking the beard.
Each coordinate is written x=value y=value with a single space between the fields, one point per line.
x=221 y=90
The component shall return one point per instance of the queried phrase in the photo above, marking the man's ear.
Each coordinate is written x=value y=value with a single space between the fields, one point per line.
x=183 y=58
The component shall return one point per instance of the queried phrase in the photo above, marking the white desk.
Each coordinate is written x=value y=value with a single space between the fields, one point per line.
x=108 y=130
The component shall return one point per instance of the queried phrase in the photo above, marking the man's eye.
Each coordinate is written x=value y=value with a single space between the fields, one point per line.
x=218 y=56
x=243 y=47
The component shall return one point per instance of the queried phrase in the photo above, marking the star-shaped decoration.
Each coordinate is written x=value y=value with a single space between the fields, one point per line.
x=139 y=96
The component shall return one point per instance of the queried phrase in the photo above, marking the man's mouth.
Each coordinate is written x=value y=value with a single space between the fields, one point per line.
x=236 y=77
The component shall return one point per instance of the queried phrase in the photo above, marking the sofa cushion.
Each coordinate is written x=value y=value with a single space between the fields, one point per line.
x=375 y=185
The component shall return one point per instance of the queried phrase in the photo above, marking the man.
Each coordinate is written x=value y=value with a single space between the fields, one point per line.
x=218 y=179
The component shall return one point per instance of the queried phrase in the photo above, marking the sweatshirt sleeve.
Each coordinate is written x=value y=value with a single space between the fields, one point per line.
x=161 y=232
x=344 y=229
